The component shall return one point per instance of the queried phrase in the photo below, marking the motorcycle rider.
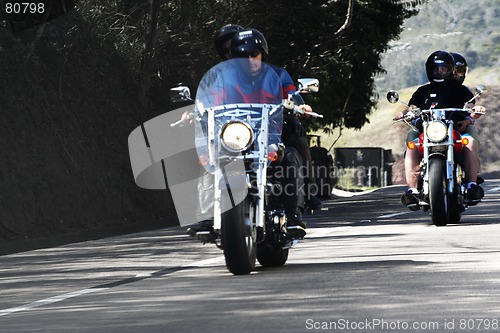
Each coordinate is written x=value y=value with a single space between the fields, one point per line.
x=252 y=44
x=442 y=92
x=294 y=132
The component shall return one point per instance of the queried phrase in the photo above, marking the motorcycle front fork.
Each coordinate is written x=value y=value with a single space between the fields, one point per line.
x=455 y=177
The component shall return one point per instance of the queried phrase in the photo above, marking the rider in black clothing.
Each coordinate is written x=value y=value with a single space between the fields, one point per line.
x=442 y=92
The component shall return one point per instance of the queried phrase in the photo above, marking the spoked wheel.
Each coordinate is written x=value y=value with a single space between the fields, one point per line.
x=437 y=188
x=238 y=236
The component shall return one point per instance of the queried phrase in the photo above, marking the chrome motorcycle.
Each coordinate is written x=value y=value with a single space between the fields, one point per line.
x=238 y=142
x=442 y=185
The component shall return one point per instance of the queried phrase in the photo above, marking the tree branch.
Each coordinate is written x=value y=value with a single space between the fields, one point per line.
x=348 y=18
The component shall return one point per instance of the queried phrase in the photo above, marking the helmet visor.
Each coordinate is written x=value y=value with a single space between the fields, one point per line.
x=441 y=71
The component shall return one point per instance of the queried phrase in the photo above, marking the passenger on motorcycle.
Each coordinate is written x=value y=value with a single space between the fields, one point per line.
x=442 y=92
x=459 y=76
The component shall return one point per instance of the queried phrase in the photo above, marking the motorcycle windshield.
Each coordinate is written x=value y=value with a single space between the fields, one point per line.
x=246 y=96
x=239 y=80
x=239 y=89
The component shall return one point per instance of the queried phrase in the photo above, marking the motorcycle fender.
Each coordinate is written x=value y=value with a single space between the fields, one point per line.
x=233 y=184
x=449 y=171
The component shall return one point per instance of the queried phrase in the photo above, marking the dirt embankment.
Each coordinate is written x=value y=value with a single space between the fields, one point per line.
x=67 y=112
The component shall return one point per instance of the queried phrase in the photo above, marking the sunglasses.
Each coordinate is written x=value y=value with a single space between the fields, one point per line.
x=249 y=54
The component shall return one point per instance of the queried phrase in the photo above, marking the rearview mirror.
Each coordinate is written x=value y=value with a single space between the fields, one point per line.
x=180 y=94
x=308 y=85
x=393 y=96
x=480 y=89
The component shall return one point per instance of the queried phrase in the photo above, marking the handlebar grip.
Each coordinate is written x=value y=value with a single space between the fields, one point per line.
x=312 y=114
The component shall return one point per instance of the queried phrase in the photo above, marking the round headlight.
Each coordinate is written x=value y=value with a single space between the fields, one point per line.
x=436 y=131
x=236 y=136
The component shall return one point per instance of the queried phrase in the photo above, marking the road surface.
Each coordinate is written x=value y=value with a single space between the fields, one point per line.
x=366 y=265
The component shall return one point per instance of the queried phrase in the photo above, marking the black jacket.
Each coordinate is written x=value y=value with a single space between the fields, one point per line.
x=442 y=96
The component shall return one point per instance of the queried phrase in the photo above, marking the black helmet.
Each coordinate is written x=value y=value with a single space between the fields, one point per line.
x=249 y=40
x=440 y=67
x=225 y=33
x=460 y=68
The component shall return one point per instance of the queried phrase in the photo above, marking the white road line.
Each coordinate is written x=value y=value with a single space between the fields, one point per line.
x=495 y=189
x=62 y=297
x=50 y=300
x=205 y=262
x=388 y=216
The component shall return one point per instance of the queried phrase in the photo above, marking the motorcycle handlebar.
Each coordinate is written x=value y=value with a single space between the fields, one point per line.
x=416 y=113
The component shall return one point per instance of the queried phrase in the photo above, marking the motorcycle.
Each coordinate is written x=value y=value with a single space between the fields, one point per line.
x=238 y=144
x=442 y=176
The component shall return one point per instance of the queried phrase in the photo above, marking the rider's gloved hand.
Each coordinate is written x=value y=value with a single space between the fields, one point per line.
x=480 y=111
x=401 y=115
x=306 y=108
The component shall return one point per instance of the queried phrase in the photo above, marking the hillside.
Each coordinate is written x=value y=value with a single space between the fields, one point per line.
x=468 y=27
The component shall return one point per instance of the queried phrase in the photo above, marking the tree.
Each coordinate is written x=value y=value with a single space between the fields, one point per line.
x=340 y=42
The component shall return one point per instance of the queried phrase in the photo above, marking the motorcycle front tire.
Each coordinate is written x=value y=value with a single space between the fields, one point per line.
x=238 y=237
x=437 y=188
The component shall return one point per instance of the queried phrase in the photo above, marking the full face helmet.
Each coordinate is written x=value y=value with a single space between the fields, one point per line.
x=440 y=67
x=223 y=35
x=247 y=43
x=460 y=68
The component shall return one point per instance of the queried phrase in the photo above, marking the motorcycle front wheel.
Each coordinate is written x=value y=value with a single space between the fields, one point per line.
x=238 y=236
x=437 y=188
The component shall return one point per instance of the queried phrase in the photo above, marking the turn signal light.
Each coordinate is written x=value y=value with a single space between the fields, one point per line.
x=411 y=145
x=272 y=156
x=465 y=141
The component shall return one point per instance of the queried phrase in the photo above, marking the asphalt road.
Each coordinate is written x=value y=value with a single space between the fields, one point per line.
x=367 y=265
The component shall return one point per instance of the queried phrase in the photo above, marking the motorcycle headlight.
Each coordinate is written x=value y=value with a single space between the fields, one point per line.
x=236 y=136
x=437 y=131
